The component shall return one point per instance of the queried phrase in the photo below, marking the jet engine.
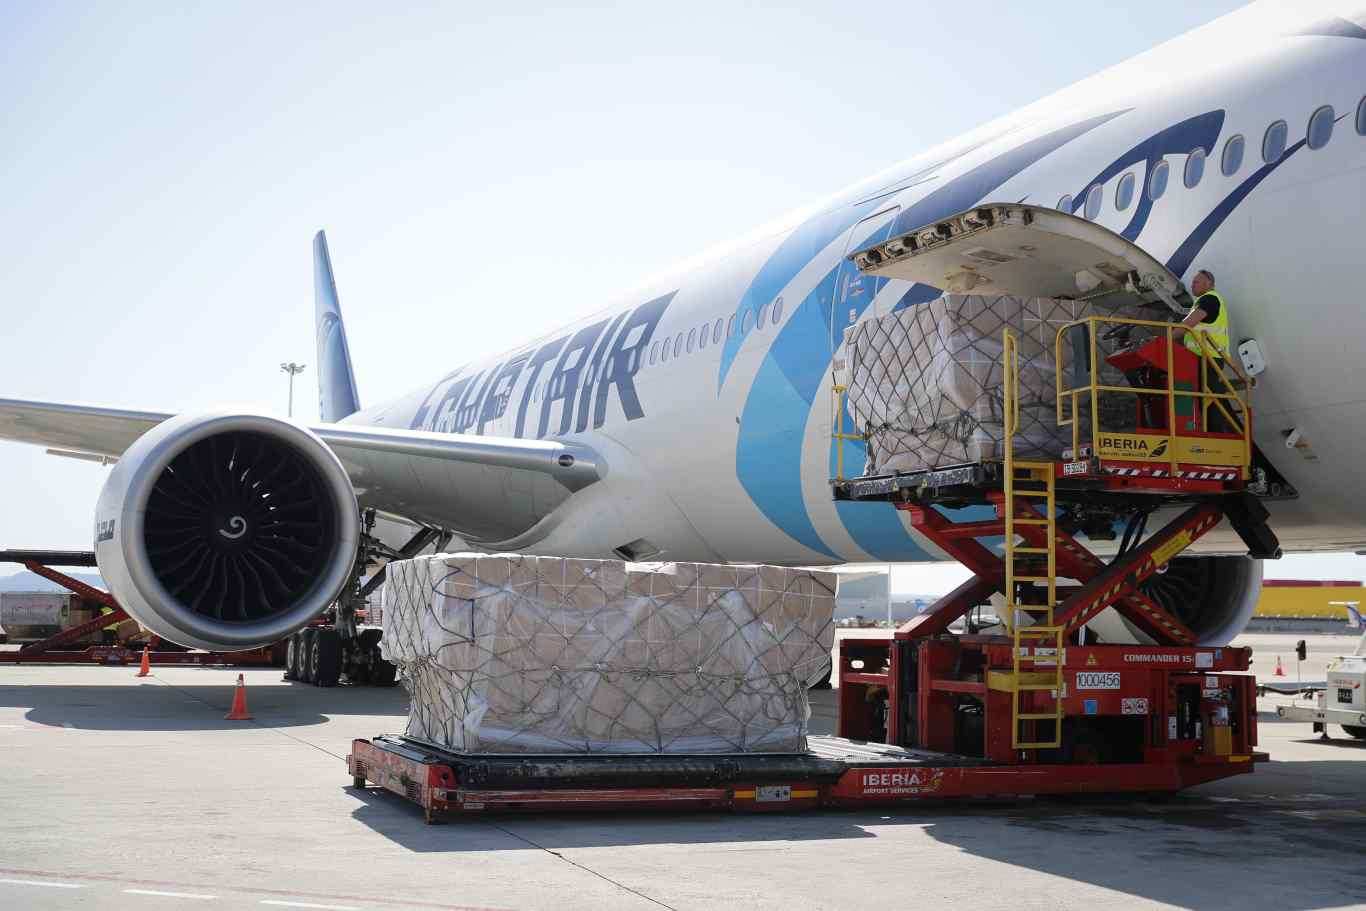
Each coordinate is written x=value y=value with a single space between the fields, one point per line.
x=1214 y=596
x=226 y=531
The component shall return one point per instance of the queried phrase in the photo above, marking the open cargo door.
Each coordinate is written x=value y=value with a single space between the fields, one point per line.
x=1025 y=251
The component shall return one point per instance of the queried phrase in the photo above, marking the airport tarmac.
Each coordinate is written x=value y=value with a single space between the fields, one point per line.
x=135 y=793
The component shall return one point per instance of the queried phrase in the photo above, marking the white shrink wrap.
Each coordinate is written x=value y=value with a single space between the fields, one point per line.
x=926 y=385
x=503 y=653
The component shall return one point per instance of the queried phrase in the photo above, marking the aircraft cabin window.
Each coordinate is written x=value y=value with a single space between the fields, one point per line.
x=1320 y=127
x=702 y=336
x=1157 y=180
x=1124 y=193
x=1361 y=117
x=730 y=327
x=678 y=345
x=664 y=352
x=1273 y=143
x=692 y=337
x=1195 y=168
x=763 y=317
x=747 y=323
x=654 y=352
x=777 y=311
x=717 y=330
x=1093 y=201
x=1232 y=158
x=1065 y=204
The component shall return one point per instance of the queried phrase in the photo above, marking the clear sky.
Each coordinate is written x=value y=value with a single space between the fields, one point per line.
x=484 y=173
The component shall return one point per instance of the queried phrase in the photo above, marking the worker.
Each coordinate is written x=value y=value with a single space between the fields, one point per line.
x=1209 y=315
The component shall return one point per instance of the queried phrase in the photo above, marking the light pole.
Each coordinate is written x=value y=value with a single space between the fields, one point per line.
x=293 y=370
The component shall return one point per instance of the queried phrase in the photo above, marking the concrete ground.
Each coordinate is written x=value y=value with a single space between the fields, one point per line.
x=128 y=793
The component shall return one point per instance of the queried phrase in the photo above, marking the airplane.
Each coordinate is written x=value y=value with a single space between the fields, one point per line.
x=691 y=420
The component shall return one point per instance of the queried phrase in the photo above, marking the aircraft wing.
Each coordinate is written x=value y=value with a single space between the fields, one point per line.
x=488 y=490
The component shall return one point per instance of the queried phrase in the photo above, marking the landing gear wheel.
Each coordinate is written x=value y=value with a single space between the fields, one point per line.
x=1357 y=731
x=308 y=659
x=327 y=661
x=293 y=652
x=382 y=673
x=360 y=657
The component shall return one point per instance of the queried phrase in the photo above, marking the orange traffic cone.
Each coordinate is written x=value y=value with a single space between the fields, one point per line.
x=145 y=669
x=239 y=712
x=1280 y=671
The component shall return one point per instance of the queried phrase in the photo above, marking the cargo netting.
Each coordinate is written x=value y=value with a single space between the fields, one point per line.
x=926 y=384
x=506 y=653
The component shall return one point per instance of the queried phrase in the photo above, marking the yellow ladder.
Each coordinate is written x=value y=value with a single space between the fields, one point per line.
x=1037 y=644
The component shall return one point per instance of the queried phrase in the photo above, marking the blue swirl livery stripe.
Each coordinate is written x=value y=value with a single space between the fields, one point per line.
x=768 y=455
x=1200 y=131
x=768 y=452
x=1190 y=248
x=1333 y=27
x=792 y=255
x=973 y=185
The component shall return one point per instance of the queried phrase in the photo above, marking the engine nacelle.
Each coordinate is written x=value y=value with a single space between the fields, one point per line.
x=226 y=531
x=1214 y=596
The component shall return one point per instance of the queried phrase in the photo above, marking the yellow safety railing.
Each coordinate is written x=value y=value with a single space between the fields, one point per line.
x=837 y=431
x=1232 y=404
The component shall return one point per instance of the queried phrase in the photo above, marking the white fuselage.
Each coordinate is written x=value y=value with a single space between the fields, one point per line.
x=722 y=451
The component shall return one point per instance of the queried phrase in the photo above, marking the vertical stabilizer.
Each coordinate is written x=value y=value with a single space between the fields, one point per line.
x=337 y=396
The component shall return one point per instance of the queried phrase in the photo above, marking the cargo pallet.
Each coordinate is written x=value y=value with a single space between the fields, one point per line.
x=1024 y=706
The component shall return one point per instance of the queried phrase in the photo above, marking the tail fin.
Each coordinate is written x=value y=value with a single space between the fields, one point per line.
x=337 y=396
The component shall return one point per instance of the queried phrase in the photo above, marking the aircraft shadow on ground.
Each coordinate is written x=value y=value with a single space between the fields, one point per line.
x=155 y=707
x=1216 y=847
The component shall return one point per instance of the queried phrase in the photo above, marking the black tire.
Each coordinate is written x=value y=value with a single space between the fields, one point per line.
x=327 y=646
x=382 y=673
x=1357 y=731
x=359 y=659
x=292 y=657
x=308 y=657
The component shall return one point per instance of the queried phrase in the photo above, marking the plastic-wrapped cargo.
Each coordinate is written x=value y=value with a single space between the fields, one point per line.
x=505 y=653
x=926 y=385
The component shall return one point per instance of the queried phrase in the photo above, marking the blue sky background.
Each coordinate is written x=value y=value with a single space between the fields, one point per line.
x=164 y=170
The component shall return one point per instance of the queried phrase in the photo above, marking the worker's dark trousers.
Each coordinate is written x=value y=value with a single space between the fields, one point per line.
x=1215 y=420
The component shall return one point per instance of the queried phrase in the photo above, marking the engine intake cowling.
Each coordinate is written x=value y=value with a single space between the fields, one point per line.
x=226 y=531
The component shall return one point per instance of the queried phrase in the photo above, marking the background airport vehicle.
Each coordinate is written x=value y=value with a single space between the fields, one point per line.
x=31 y=616
x=106 y=615
x=1341 y=701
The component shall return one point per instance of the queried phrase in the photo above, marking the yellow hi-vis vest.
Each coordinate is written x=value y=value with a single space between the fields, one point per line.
x=1216 y=332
